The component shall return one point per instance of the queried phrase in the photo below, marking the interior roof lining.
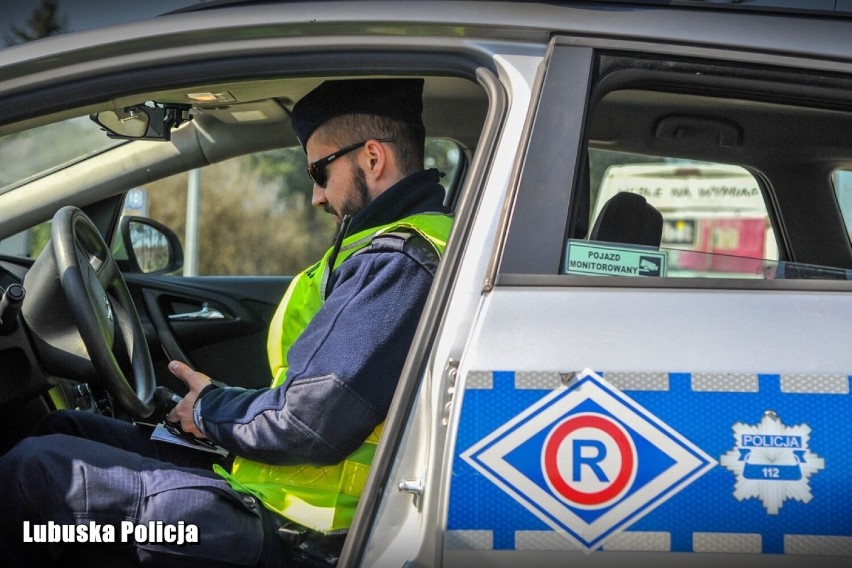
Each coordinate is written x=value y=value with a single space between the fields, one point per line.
x=631 y=93
x=126 y=86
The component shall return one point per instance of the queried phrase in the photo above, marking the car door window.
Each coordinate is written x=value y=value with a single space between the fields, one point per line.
x=254 y=212
x=254 y=215
x=714 y=218
x=720 y=195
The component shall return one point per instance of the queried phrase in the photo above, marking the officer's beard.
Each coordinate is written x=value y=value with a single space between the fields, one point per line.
x=356 y=201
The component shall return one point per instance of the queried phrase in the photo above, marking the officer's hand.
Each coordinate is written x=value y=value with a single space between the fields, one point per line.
x=194 y=381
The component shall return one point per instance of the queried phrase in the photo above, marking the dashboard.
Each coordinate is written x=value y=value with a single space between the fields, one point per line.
x=22 y=377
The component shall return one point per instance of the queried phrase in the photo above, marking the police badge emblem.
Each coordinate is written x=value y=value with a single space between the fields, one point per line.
x=772 y=462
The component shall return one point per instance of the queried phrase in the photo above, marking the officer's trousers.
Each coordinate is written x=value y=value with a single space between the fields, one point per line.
x=103 y=472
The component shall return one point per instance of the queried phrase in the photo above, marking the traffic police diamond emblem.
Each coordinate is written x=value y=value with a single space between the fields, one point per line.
x=588 y=460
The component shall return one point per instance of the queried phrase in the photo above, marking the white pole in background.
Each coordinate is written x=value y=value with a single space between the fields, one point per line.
x=193 y=207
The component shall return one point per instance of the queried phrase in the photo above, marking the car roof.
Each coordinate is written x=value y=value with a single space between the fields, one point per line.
x=840 y=8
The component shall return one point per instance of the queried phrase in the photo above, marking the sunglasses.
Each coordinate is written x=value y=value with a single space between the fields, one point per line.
x=317 y=169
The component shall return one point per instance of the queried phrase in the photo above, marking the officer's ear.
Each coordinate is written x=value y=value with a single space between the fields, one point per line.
x=377 y=158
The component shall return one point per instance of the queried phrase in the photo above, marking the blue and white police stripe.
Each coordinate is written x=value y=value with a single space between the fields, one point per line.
x=751 y=463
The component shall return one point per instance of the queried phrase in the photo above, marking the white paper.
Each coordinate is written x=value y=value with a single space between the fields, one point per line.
x=161 y=434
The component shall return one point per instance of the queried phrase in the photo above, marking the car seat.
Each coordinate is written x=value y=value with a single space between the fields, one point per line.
x=629 y=219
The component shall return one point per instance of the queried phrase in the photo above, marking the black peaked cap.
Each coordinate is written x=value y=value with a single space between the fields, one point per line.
x=401 y=99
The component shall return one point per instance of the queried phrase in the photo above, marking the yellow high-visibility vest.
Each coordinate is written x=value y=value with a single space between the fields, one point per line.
x=322 y=498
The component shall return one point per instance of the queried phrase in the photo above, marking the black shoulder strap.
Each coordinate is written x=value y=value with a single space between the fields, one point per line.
x=408 y=242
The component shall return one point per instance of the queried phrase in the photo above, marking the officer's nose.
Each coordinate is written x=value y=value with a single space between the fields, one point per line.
x=318 y=196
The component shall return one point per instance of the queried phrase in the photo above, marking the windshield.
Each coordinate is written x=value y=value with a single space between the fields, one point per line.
x=33 y=153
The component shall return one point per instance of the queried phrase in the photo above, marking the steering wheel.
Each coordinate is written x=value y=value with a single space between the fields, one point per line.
x=98 y=304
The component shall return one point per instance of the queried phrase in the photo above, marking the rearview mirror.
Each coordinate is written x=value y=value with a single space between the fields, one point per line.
x=142 y=122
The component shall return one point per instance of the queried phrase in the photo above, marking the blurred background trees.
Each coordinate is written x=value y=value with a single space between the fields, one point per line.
x=46 y=20
x=256 y=216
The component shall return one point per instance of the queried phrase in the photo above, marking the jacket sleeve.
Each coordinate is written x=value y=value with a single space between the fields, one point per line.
x=343 y=369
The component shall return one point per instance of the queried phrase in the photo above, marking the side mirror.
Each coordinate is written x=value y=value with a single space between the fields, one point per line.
x=142 y=122
x=147 y=247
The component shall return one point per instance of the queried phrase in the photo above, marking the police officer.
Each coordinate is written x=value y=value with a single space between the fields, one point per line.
x=336 y=347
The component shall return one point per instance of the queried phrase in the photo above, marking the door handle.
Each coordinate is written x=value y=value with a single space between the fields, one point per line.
x=205 y=313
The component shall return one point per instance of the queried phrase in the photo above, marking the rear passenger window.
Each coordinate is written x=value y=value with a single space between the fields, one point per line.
x=702 y=218
x=689 y=169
